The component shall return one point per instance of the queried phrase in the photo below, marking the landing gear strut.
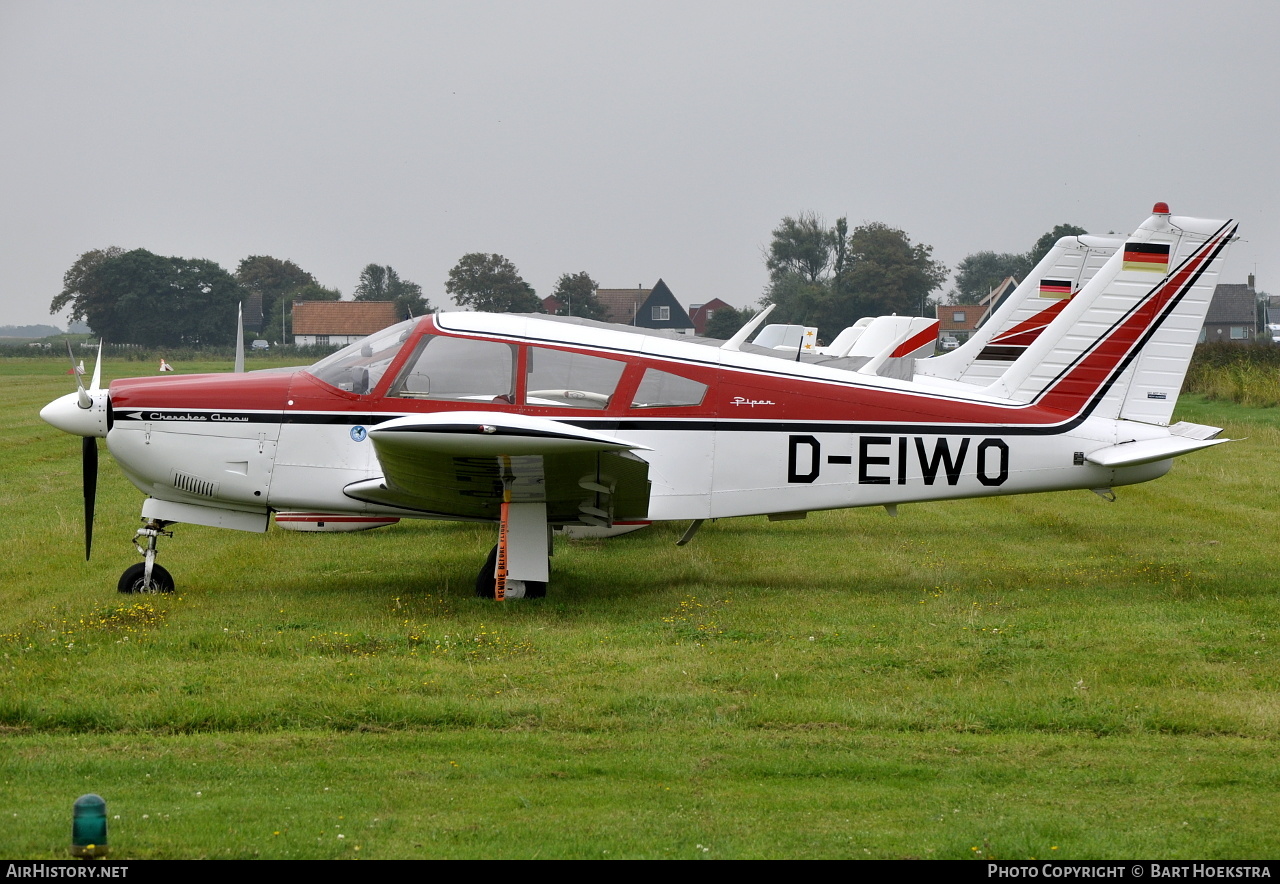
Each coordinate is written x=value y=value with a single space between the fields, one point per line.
x=517 y=567
x=147 y=576
x=486 y=583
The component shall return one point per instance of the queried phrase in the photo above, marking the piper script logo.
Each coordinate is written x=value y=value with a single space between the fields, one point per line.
x=742 y=400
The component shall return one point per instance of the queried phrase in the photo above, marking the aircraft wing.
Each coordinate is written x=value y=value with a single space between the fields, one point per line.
x=459 y=464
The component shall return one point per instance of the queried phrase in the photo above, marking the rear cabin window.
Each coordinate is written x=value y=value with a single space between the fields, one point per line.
x=561 y=379
x=461 y=369
x=660 y=389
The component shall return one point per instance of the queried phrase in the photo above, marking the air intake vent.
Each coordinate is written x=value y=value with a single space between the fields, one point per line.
x=194 y=484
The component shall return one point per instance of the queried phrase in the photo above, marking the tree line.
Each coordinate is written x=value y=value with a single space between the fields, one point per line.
x=831 y=276
x=819 y=275
x=137 y=297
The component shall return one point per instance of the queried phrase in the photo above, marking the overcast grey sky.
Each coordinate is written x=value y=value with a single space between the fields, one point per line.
x=631 y=140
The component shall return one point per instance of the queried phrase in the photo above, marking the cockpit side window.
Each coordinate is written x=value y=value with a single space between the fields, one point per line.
x=461 y=369
x=661 y=389
x=358 y=367
x=564 y=379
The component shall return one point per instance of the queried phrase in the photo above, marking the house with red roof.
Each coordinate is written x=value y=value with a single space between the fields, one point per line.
x=340 y=322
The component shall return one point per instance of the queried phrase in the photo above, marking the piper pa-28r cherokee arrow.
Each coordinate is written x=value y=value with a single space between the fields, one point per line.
x=535 y=422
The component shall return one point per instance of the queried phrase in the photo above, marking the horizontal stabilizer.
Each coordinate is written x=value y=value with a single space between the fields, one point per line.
x=1131 y=454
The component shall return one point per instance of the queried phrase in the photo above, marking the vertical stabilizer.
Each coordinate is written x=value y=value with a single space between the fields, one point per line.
x=1127 y=336
x=1018 y=320
x=1161 y=367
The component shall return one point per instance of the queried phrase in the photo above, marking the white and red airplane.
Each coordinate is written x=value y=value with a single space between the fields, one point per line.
x=537 y=422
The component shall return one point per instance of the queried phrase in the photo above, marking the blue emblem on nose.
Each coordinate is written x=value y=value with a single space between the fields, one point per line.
x=358 y=434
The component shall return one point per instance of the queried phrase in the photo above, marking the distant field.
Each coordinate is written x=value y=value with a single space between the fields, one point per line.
x=1048 y=676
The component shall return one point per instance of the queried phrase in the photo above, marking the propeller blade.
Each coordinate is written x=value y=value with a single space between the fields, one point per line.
x=239 y=339
x=89 y=463
x=96 y=383
x=84 y=401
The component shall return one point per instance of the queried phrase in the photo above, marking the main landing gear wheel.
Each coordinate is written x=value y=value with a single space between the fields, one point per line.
x=487 y=581
x=131 y=580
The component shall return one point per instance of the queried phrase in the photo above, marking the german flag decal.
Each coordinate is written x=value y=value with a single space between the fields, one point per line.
x=1147 y=256
x=1055 y=288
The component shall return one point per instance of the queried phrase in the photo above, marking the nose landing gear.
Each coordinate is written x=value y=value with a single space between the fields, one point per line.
x=147 y=576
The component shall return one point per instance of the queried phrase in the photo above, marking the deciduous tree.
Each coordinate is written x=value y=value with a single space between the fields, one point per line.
x=491 y=283
x=980 y=272
x=725 y=322
x=379 y=283
x=141 y=298
x=1046 y=242
x=577 y=292
x=887 y=273
x=82 y=287
x=802 y=245
x=830 y=278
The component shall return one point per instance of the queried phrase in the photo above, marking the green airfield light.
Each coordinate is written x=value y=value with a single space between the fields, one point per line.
x=89 y=827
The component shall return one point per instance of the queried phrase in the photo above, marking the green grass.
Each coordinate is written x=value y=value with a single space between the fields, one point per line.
x=1048 y=676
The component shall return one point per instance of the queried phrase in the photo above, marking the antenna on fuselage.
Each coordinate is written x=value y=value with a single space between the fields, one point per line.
x=735 y=343
x=239 y=338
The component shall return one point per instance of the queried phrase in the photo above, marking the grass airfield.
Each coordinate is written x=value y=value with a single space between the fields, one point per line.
x=1048 y=676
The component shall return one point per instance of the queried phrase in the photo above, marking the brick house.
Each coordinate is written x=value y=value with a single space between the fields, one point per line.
x=958 y=321
x=700 y=314
x=340 y=322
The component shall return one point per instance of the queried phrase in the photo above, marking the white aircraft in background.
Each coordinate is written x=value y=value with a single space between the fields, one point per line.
x=533 y=422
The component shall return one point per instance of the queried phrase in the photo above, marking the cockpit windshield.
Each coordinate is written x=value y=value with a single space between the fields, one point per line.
x=358 y=367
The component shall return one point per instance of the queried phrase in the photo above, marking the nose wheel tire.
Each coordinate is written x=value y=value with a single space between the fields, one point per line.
x=131 y=581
